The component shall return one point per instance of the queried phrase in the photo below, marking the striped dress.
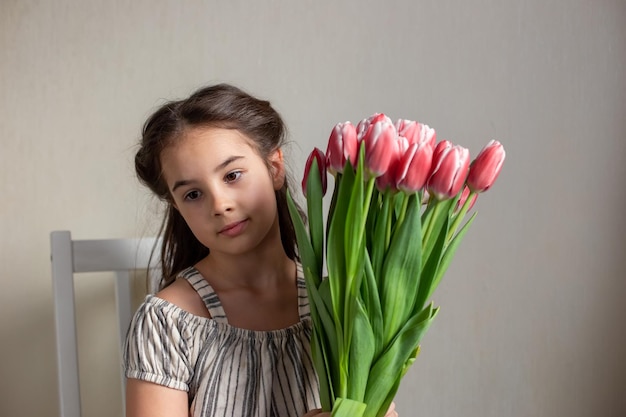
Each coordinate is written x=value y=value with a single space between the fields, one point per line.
x=227 y=371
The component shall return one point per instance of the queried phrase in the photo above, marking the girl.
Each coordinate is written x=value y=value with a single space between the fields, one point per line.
x=228 y=332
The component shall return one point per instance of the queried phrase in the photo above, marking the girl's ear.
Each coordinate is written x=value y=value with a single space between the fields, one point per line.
x=277 y=168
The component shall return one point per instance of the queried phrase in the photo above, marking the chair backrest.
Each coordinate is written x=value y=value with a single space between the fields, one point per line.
x=70 y=257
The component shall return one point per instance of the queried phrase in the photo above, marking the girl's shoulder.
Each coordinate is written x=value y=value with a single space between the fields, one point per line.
x=182 y=294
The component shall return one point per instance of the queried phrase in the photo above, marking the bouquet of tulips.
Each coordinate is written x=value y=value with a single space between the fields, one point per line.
x=396 y=218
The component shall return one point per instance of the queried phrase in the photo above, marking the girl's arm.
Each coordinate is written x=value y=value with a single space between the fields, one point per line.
x=145 y=399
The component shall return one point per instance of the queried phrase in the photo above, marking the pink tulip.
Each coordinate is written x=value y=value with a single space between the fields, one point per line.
x=486 y=167
x=379 y=146
x=416 y=132
x=403 y=145
x=450 y=169
x=363 y=126
x=414 y=167
x=463 y=199
x=316 y=155
x=342 y=147
x=439 y=150
x=388 y=180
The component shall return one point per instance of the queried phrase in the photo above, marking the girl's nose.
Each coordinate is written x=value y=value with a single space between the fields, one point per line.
x=221 y=204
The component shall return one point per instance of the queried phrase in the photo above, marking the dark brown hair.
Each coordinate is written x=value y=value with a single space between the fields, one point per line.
x=223 y=106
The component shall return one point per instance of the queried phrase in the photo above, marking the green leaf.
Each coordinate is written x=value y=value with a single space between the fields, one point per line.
x=305 y=249
x=333 y=201
x=345 y=407
x=382 y=410
x=400 y=204
x=448 y=254
x=410 y=361
x=315 y=214
x=372 y=216
x=354 y=252
x=333 y=331
x=428 y=211
x=335 y=256
x=322 y=340
x=380 y=240
x=371 y=298
x=431 y=265
x=362 y=349
x=457 y=217
x=387 y=369
x=431 y=230
x=356 y=217
x=400 y=278
x=337 y=274
x=379 y=243
x=322 y=368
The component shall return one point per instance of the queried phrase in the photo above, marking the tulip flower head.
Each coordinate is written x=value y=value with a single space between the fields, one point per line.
x=389 y=179
x=416 y=132
x=342 y=147
x=318 y=156
x=439 y=150
x=450 y=169
x=380 y=146
x=486 y=167
x=414 y=167
x=363 y=126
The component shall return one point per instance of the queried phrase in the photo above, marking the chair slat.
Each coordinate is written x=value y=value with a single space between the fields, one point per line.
x=123 y=300
x=65 y=323
x=112 y=254
x=75 y=256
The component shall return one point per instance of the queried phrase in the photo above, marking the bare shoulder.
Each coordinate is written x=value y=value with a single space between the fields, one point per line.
x=183 y=295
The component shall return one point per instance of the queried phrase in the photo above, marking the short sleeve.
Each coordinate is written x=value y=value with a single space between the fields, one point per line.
x=159 y=343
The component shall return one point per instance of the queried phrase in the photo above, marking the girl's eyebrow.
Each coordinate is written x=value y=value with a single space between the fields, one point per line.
x=228 y=161
x=221 y=166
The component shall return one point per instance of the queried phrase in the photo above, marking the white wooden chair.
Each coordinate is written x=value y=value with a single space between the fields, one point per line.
x=70 y=257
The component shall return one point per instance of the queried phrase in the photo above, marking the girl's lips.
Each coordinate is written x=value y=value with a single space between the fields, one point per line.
x=234 y=229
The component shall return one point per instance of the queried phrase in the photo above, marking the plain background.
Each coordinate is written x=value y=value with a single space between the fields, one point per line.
x=532 y=309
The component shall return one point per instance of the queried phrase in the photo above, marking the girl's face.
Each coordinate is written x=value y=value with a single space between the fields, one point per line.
x=224 y=190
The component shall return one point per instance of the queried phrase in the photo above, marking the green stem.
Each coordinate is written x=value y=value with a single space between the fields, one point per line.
x=428 y=230
x=458 y=218
x=428 y=211
x=367 y=202
x=389 y=197
x=405 y=204
x=333 y=202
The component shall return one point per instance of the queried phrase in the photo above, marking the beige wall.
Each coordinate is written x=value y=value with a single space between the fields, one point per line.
x=532 y=319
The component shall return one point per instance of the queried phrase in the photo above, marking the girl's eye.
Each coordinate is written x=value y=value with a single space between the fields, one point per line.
x=232 y=176
x=192 y=195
